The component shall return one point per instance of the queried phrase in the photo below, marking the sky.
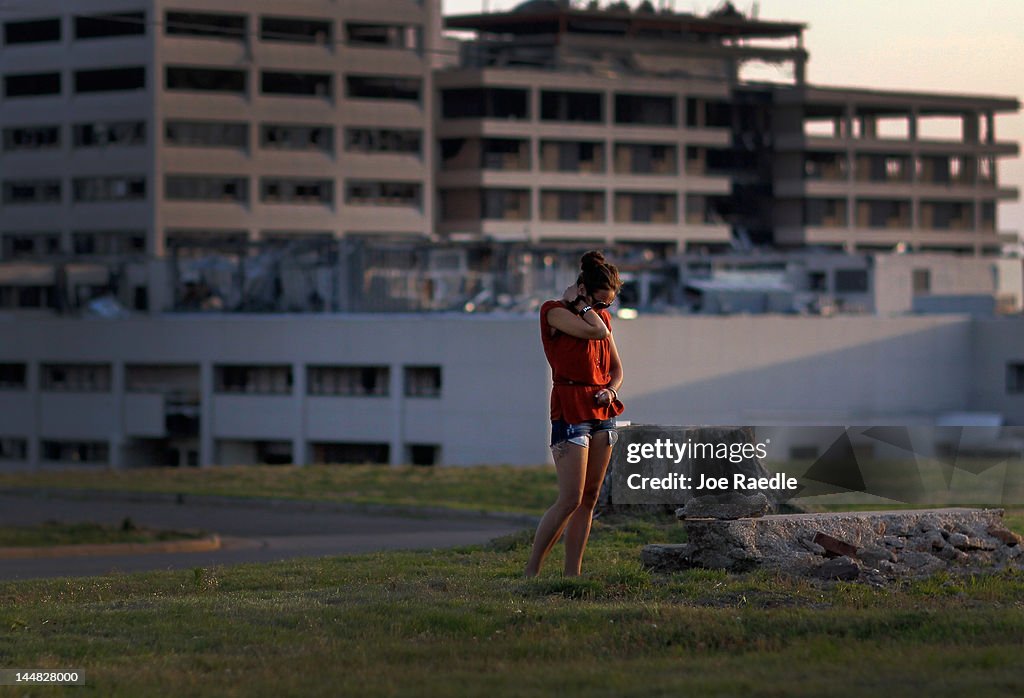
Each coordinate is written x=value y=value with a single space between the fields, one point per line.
x=921 y=45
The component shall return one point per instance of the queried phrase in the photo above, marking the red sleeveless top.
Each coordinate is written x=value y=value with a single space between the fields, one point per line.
x=579 y=369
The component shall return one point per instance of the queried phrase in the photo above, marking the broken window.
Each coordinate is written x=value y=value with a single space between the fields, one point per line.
x=206 y=188
x=31 y=138
x=33 y=31
x=296 y=191
x=505 y=204
x=505 y=154
x=495 y=103
x=110 y=80
x=586 y=107
x=572 y=206
x=32 y=191
x=297 y=137
x=349 y=380
x=79 y=378
x=100 y=133
x=384 y=35
x=295 y=31
x=32 y=84
x=642 y=158
x=207 y=24
x=379 y=87
x=265 y=380
x=572 y=156
x=645 y=207
x=110 y=25
x=205 y=79
x=305 y=84
x=382 y=193
x=207 y=134
x=423 y=381
x=93 y=189
x=649 y=110
x=28 y=245
x=380 y=140
x=108 y=242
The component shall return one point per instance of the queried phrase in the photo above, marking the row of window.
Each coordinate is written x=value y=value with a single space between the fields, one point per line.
x=256 y=452
x=585 y=107
x=213 y=188
x=225 y=134
x=575 y=206
x=222 y=80
x=353 y=381
x=297 y=30
x=25 y=245
x=882 y=213
x=514 y=154
x=929 y=169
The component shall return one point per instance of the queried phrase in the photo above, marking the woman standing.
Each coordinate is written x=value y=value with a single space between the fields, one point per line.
x=586 y=375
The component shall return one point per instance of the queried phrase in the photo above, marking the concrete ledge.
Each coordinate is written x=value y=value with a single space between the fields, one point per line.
x=199 y=545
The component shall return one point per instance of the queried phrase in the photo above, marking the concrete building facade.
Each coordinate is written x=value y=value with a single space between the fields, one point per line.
x=461 y=389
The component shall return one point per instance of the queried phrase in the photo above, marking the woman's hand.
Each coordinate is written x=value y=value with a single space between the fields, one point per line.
x=603 y=397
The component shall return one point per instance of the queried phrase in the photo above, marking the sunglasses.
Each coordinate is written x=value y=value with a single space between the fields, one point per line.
x=601 y=305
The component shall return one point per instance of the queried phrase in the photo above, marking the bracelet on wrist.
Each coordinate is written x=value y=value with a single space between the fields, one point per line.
x=585 y=309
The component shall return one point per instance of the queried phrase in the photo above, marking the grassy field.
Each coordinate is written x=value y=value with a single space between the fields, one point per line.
x=60 y=533
x=464 y=622
x=492 y=488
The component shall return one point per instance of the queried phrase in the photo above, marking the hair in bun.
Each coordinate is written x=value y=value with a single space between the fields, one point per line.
x=596 y=274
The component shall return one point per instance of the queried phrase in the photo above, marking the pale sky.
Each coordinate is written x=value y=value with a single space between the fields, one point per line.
x=923 y=45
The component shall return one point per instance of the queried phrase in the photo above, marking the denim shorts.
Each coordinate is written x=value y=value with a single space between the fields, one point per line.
x=580 y=433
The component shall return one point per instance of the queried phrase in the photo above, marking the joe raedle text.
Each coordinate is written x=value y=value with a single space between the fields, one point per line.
x=738 y=481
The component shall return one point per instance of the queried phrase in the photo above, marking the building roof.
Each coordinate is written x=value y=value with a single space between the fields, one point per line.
x=552 y=17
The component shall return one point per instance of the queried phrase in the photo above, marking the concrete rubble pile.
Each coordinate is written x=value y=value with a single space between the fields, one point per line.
x=875 y=547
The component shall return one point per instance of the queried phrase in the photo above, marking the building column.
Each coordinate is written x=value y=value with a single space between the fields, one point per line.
x=32 y=384
x=397 y=414
x=117 y=439
x=299 y=455
x=206 y=451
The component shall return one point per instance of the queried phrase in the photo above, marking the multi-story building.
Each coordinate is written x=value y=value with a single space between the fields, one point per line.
x=144 y=128
x=615 y=127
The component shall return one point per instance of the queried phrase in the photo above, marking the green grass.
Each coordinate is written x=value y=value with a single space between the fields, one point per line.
x=59 y=533
x=464 y=622
x=493 y=488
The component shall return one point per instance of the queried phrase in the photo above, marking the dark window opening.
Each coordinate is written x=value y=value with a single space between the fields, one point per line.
x=492 y=103
x=13 y=376
x=110 y=25
x=571 y=106
x=31 y=138
x=383 y=35
x=310 y=84
x=424 y=454
x=423 y=381
x=374 y=140
x=206 y=80
x=32 y=84
x=296 y=31
x=34 y=31
x=367 y=87
x=110 y=80
x=851 y=281
x=110 y=133
x=340 y=452
x=1015 y=378
x=205 y=24
x=645 y=109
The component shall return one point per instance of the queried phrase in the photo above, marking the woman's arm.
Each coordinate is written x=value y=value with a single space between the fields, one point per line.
x=590 y=326
x=615 y=368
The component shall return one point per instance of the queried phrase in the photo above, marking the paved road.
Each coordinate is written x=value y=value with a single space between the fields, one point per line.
x=249 y=533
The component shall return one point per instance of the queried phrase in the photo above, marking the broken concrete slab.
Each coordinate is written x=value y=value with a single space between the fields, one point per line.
x=731 y=505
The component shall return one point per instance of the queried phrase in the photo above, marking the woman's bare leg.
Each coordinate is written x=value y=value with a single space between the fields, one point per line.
x=570 y=464
x=577 y=530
